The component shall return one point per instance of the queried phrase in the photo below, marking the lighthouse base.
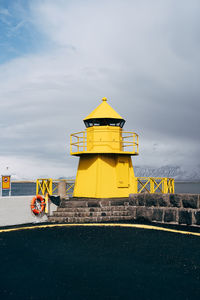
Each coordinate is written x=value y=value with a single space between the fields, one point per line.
x=105 y=176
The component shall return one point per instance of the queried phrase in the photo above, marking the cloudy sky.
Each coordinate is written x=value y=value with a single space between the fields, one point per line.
x=59 y=58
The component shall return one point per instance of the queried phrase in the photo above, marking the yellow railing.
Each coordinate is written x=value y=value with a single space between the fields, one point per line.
x=130 y=139
x=128 y=142
x=154 y=185
x=143 y=184
x=78 y=141
x=44 y=186
x=70 y=187
x=50 y=186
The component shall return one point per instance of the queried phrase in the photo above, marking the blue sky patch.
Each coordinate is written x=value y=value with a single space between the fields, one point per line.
x=18 y=35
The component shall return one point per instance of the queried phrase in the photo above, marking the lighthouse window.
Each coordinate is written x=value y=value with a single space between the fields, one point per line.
x=104 y=122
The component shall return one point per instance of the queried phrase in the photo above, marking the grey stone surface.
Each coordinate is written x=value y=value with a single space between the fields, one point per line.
x=132 y=211
x=93 y=203
x=163 y=200
x=151 y=200
x=185 y=217
x=138 y=199
x=157 y=214
x=118 y=202
x=170 y=215
x=197 y=217
x=133 y=201
x=74 y=203
x=175 y=200
x=141 y=199
x=190 y=201
x=104 y=203
x=143 y=213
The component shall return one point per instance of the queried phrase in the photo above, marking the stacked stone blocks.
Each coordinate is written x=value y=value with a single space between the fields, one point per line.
x=183 y=209
x=91 y=210
x=168 y=208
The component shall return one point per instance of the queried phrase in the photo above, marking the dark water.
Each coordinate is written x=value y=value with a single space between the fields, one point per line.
x=21 y=189
x=26 y=189
x=29 y=188
x=187 y=187
x=99 y=263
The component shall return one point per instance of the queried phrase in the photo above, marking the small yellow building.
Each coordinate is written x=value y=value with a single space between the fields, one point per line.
x=105 y=167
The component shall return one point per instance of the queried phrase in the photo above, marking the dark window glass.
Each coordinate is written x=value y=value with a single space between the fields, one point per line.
x=104 y=122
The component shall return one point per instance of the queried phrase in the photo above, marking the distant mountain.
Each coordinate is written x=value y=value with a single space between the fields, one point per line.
x=179 y=173
x=68 y=177
x=176 y=172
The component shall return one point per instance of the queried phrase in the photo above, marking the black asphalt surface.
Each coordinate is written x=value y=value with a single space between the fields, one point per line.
x=99 y=263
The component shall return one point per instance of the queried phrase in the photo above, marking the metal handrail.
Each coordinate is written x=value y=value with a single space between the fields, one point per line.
x=50 y=186
x=150 y=185
x=81 y=142
x=154 y=184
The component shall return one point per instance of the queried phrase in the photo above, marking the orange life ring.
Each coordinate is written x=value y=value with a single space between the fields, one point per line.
x=37 y=204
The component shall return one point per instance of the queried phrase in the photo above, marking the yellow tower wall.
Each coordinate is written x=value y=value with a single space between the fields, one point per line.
x=104 y=139
x=104 y=176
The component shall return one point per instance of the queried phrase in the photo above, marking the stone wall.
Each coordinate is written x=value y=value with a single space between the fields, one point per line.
x=167 y=208
x=161 y=208
x=83 y=210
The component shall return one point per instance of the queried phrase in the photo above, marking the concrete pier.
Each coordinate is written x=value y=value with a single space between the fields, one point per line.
x=16 y=210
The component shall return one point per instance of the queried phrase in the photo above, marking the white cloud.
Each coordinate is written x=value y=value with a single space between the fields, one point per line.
x=129 y=51
x=25 y=168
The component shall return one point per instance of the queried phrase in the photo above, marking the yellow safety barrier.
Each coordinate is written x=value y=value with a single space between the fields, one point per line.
x=128 y=142
x=154 y=185
x=50 y=186
x=44 y=186
x=70 y=187
x=144 y=184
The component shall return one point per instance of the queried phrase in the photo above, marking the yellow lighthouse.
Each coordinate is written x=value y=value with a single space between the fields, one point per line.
x=105 y=167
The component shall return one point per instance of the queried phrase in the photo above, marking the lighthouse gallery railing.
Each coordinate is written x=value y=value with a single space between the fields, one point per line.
x=128 y=143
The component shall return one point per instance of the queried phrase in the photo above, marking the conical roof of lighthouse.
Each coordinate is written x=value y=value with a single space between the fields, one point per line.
x=103 y=111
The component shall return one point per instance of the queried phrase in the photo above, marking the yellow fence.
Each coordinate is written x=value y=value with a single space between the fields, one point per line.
x=155 y=185
x=44 y=186
x=50 y=186
x=144 y=184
